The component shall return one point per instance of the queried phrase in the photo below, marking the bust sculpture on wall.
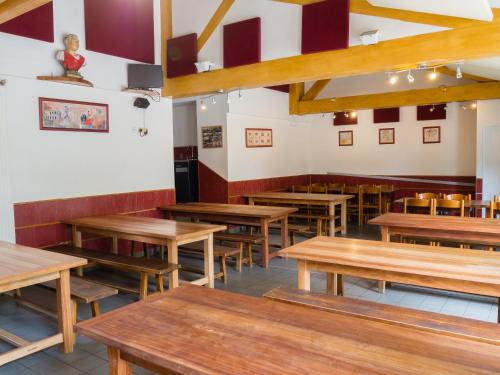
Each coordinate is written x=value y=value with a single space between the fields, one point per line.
x=69 y=58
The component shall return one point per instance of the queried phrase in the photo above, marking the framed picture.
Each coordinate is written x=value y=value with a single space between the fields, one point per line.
x=386 y=136
x=69 y=115
x=346 y=138
x=258 y=137
x=211 y=136
x=432 y=134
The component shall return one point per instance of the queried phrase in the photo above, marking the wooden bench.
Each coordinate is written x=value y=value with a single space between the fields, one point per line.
x=220 y=252
x=145 y=267
x=319 y=220
x=293 y=229
x=420 y=320
x=248 y=239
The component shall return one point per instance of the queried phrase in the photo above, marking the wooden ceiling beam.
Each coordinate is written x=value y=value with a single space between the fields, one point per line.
x=300 y=2
x=214 y=22
x=449 y=72
x=11 y=9
x=437 y=48
x=166 y=33
x=476 y=91
x=316 y=89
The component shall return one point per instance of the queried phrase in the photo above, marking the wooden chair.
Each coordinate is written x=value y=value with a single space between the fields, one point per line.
x=387 y=191
x=495 y=207
x=449 y=207
x=370 y=201
x=336 y=188
x=458 y=197
x=427 y=196
x=318 y=188
x=301 y=189
x=353 y=206
x=418 y=206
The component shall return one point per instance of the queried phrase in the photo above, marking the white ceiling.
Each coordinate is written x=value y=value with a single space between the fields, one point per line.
x=474 y=9
x=487 y=68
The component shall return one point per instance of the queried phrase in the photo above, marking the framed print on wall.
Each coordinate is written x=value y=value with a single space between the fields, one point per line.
x=386 y=136
x=258 y=137
x=211 y=136
x=70 y=115
x=346 y=138
x=432 y=134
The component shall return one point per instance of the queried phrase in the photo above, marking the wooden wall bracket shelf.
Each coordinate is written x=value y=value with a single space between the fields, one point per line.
x=66 y=80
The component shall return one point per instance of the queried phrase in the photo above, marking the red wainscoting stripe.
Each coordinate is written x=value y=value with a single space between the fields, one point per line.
x=242 y=43
x=39 y=224
x=213 y=188
x=37 y=24
x=182 y=53
x=123 y=28
x=186 y=153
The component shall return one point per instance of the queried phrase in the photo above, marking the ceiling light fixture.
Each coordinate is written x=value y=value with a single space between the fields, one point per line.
x=459 y=72
x=410 y=77
x=433 y=75
x=393 y=78
x=214 y=101
x=203 y=106
x=334 y=116
x=433 y=108
x=473 y=105
x=354 y=114
x=240 y=94
x=346 y=115
x=228 y=100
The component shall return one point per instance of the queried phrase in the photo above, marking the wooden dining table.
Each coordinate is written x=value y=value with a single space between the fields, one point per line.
x=238 y=214
x=22 y=266
x=169 y=233
x=459 y=270
x=195 y=331
x=469 y=230
x=330 y=201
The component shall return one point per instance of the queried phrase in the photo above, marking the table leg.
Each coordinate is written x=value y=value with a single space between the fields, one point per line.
x=173 y=257
x=343 y=217
x=208 y=259
x=114 y=248
x=251 y=202
x=77 y=242
x=64 y=311
x=284 y=232
x=384 y=232
x=331 y=213
x=264 y=229
x=118 y=366
x=304 y=275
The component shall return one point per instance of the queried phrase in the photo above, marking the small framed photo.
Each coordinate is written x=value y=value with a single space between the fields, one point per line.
x=432 y=134
x=258 y=137
x=211 y=136
x=386 y=136
x=346 y=138
x=70 y=115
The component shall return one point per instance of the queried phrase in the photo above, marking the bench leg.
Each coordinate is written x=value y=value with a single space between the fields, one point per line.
x=381 y=287
x=292 y=238
x=319 y=229
x=143 y=287
x=239 y=258
x=222 y=265
x=74 y=308
x=250 y=255
x=335 y=284
x=159 y=283
x=96 y=311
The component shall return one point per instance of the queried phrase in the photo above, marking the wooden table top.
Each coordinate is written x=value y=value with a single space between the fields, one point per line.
x=301 y=196
x=146 y=226
x=442 y=223
x=210 y=331
x=472 y=203
x=19 y=262
x=461 y=264
x=266 y=212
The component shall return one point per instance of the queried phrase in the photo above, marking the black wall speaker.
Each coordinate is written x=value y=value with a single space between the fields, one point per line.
x=141 y=103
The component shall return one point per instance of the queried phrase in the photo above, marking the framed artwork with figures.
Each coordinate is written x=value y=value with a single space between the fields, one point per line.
x=258 y=137
x=386 y=136
x=432 y=134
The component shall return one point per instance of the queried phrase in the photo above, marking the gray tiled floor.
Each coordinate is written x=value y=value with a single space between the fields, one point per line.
x=90 y=357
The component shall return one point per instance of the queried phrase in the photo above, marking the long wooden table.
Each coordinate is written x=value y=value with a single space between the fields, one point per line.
x=459 y=270
x=152 y=231
x=455 y=229
x=217 y=332
x=22 y=266
x=260 y=216
x=329 y=201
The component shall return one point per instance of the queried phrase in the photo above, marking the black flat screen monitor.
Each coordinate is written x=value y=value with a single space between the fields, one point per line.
x=144 y=76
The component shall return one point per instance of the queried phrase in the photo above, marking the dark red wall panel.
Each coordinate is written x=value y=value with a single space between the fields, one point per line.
x=429 y=112
x=384 y=115
x=182 y=53
x=37 y=24
x=212 y=187
x=325 y=26
x=341 y=119
x=242 y=43
x=123 y=28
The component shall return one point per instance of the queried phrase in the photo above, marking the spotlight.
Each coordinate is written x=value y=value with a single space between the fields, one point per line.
x=354 y=114
x=459 y=72
x=228 y=100
x=333 y=99
x=464 y=107
x=433 y=75
x=203 y=106
x=334 y=116
x=393 y=79
x=473 y=105
x=213 y=100
x=346 y=115
x=240 y=95
x=433 y=108
x=410 y=77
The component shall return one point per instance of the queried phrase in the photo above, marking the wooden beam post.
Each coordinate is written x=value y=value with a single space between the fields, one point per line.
x=296 y=93
x=11 y=9
x=214 y=22
x=166 y=34
x=477 y=91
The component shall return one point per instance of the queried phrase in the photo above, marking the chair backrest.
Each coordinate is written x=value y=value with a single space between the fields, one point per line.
x=369 y=189
x=336 y=188
x=496 y=198
x=351 y=189
x=458 y=197
x=387 y=188
x=318 y=188
x=300 y=189
x=443 y=205
x=495 y=207
x=420 y=204
x=426 y=195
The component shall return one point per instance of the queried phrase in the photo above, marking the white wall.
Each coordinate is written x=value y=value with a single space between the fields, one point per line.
x=49 y=164
x=488 y=122
x=455 y=155
x=185 y=124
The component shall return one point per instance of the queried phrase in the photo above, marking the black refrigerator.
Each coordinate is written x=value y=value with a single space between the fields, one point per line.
x=186 y=181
